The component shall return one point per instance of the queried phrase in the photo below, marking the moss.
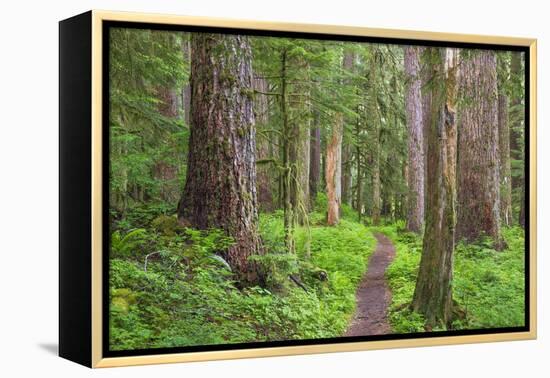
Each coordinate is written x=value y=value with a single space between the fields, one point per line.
x=166 y=225
x=247 y=93
x=122 y=299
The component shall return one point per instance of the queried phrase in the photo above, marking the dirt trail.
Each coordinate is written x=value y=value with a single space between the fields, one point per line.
x=373 y=294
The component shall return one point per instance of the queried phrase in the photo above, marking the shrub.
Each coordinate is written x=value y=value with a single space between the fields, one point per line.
x=488 y=286
x=187 y=297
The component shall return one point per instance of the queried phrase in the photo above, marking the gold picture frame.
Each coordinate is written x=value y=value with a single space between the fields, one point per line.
x=93 y=336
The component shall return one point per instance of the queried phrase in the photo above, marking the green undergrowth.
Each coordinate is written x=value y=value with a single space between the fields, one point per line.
x=488 y=286
x=185 y=295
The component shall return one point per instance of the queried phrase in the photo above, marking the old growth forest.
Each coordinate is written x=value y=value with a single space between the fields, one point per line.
x=273 y=188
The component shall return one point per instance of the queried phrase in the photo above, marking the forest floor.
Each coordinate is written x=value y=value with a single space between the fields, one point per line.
x=373 y=294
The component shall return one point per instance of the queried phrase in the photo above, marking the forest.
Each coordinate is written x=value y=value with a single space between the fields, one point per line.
x=268 y=188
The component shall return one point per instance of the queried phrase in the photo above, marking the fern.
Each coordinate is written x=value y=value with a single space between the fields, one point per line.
x=125 y=245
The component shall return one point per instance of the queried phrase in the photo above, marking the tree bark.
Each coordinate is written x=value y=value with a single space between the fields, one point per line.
x=433 y=295
x=220 y=190
x=358 y=161
x=333 y=164
x=263 y=150
x=478 y=145
x=347 y=154
x=516 y=125
x=300 y=149
x=505 y=166
x=186 y=90
x=289 y=219
x=415 y=166
x=426 y=109
x=315 y=161
x=375 y=127
x=333 y=170
x=346 y=173
x=163 y=170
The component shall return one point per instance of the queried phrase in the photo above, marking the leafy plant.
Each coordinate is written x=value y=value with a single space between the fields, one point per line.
x=125 y=245
x=488 y=286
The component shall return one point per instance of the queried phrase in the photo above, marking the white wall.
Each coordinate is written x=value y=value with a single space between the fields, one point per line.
x=28 y=199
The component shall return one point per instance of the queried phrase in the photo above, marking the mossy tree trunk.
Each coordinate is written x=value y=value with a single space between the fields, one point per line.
x=220 y=190
x=433 y=295
x=478 y=146
x=415 y=166
x=374 y=119
x=286 y=170
x=315 y=161
x=299 y=141
x=347 y=146
x=264 y=168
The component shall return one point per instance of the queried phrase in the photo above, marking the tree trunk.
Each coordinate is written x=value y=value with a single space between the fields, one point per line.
x=346 y=173
x=426 y=92
x=478 y=145
x=286 y=174
x=505 y=167
x=220 y=190
x=164 y=171
x=333 y=170
x=186 y=90
x=315 y=161
x=375 y=126
x=415 y=166
x=347 y=154
x=263 y=150
x=376 y=200
x=359 y=180
x=333 y=164
x=516 y=125
x=168 y=101
x=433 y=295
x=299 y=140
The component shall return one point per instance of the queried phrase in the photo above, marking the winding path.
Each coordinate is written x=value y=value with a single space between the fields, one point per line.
x=373 y=294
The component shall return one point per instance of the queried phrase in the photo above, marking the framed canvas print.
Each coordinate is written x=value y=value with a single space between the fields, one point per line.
x=235 y=189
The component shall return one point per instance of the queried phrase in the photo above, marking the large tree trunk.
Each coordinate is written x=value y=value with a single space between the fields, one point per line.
x=375 y=128
x=433 y=295
x=263 y=150
x=315 y=161
x=333 y=168
x=347 y=153
x=415 y=166
x=220 y=190
x=478 y=145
